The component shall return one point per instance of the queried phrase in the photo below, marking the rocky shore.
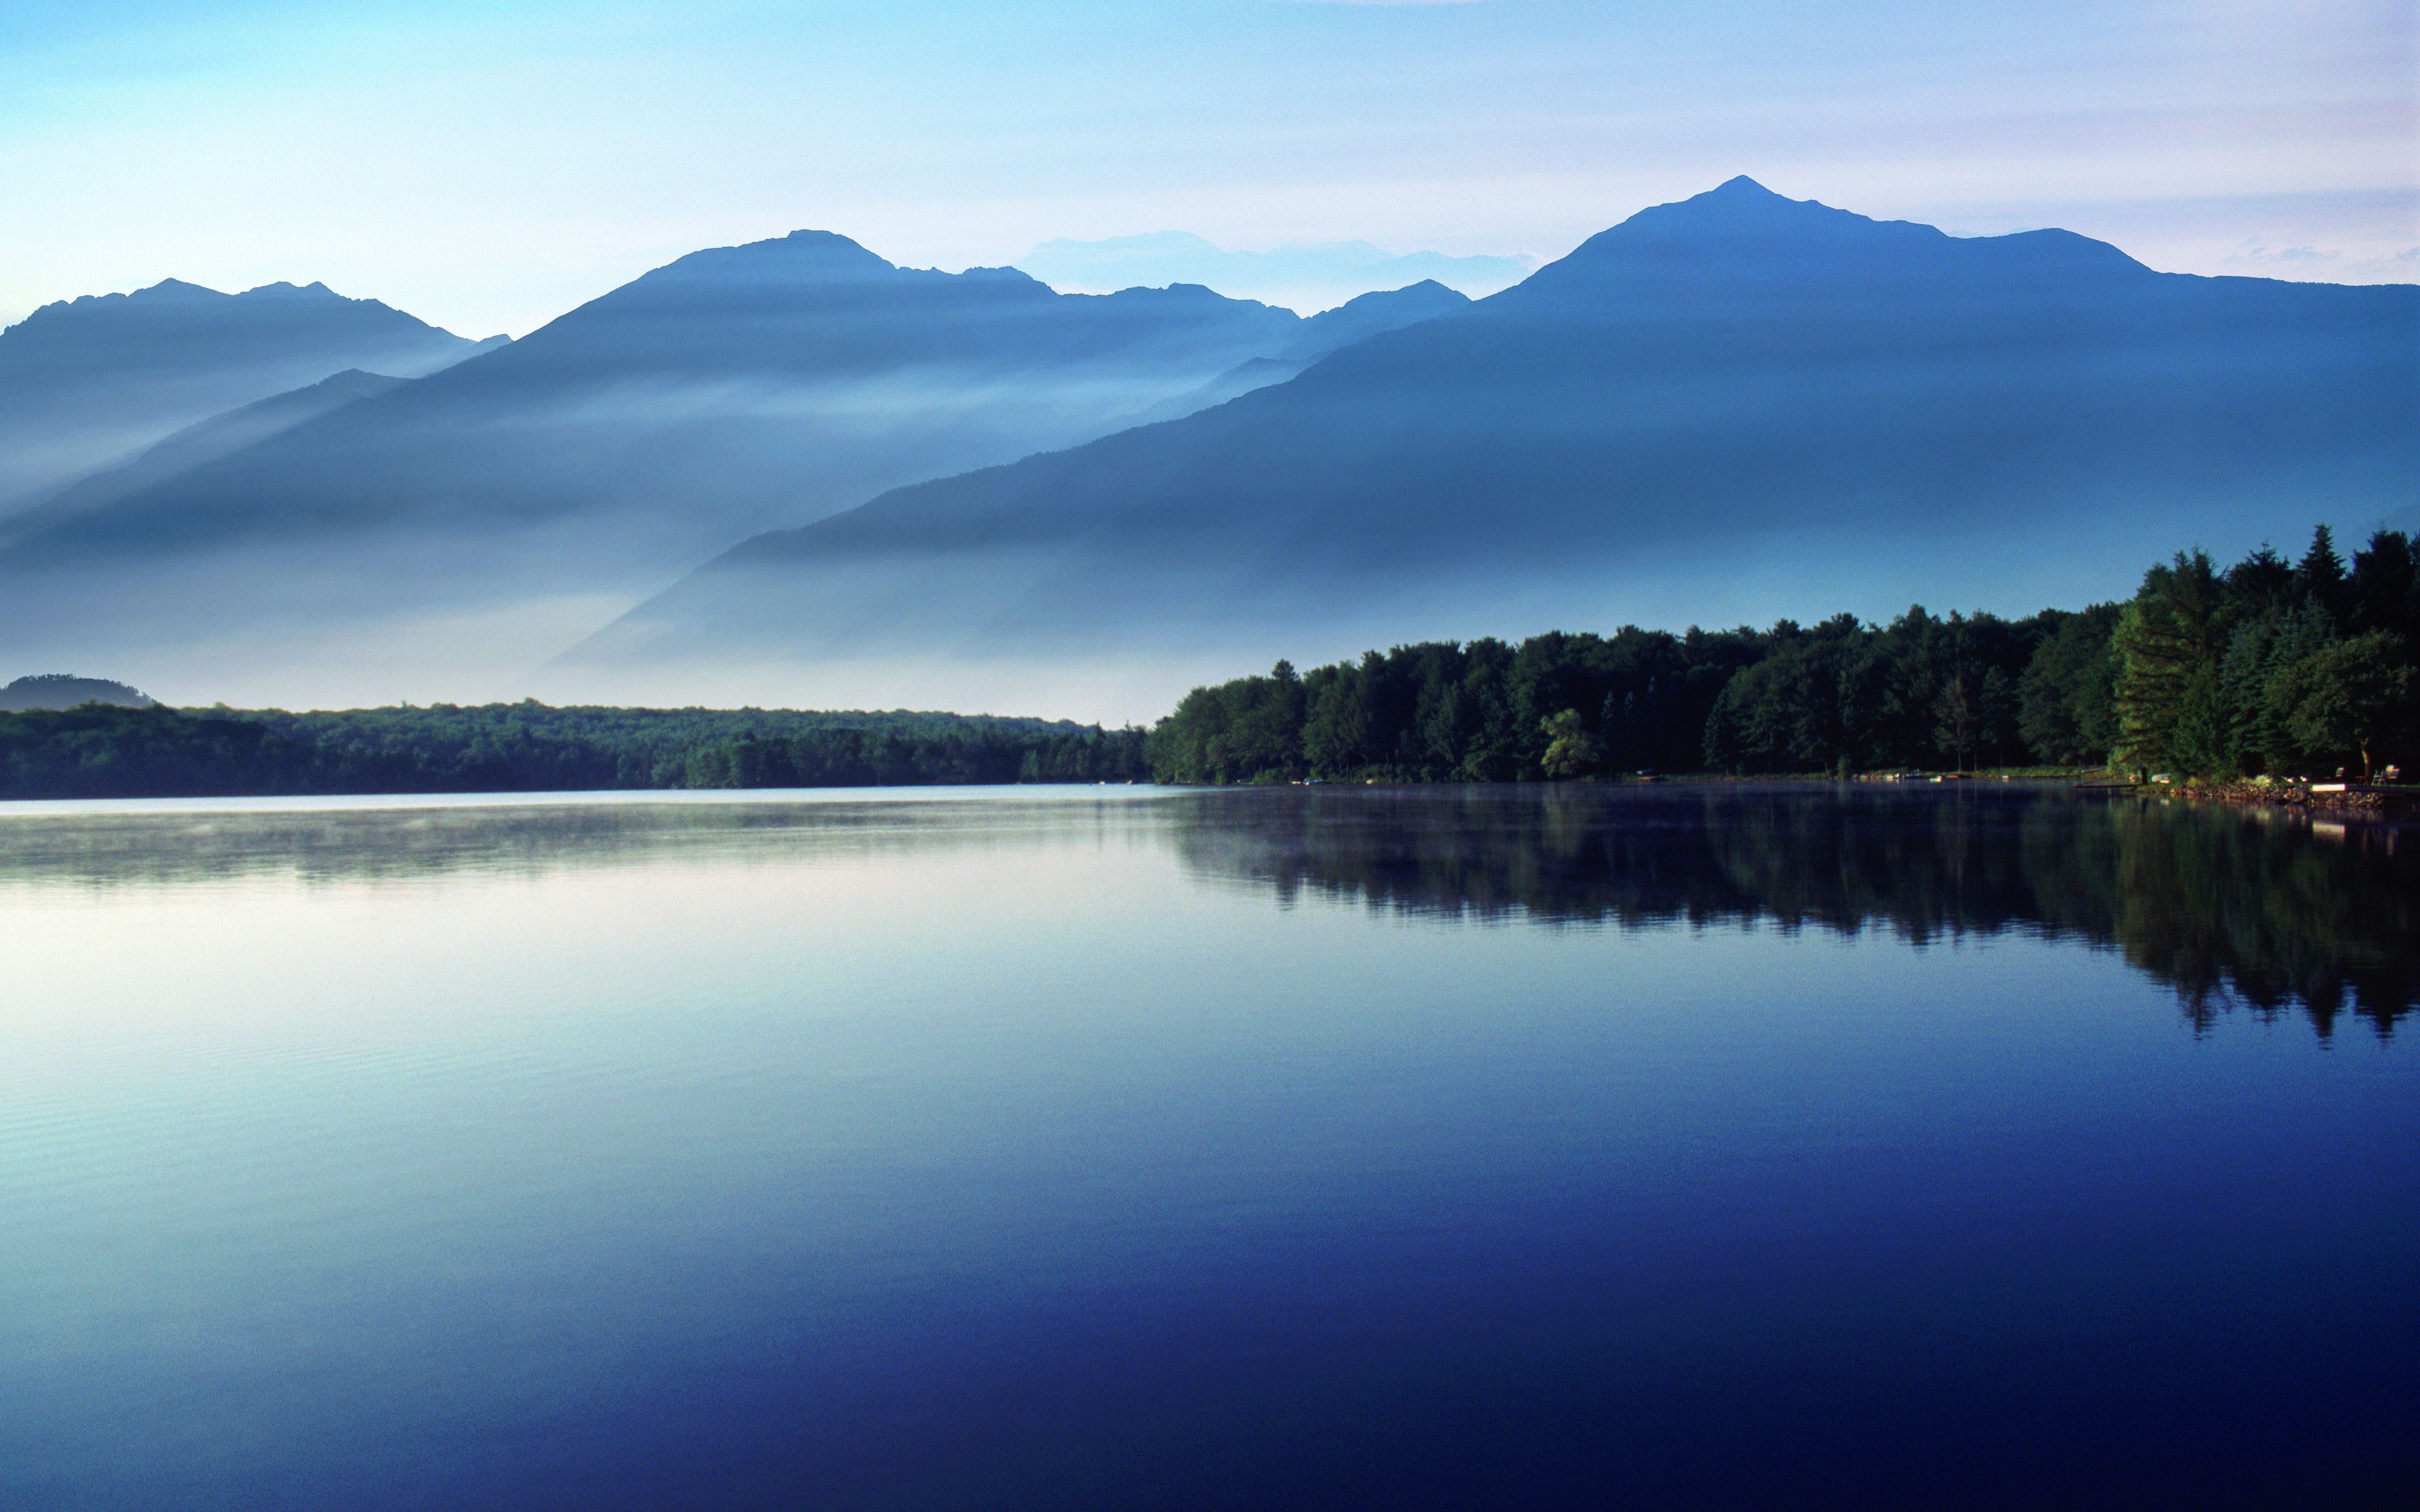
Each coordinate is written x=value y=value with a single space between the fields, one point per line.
x=2325 y=797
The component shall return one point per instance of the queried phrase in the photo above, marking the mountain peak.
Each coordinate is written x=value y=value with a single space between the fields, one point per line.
x=807 y=239
x=1743 y=205
x=803 y=257
x=283 y=290
x=170 y=288
x=1742 y=237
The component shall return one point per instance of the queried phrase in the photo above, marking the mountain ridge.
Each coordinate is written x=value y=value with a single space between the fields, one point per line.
x=89 y=382
x=1738 y=373
x=638 y=434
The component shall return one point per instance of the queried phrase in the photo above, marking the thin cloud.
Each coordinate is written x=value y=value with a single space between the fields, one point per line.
x=2329 y=264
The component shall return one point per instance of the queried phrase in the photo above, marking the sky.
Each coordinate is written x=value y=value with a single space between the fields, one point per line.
x=488 y=163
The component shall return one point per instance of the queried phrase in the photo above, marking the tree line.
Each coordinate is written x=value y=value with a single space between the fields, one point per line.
x=2269 y=667
x=100 y=751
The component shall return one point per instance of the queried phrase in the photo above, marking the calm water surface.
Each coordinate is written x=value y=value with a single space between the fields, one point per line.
x=1127 y=1148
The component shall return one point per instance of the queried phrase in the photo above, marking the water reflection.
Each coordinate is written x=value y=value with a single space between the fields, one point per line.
x=180 y=843
x=1359 y=1147
x=2228 y=906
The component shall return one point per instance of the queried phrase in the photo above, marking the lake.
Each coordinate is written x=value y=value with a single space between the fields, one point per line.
x=1386 y=1148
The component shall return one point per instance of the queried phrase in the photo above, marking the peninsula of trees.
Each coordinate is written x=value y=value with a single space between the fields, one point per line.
x=2267 y=666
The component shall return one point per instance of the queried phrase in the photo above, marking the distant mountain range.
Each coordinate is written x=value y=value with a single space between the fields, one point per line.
x=908 y=486
x=1740 y=400
x=732 y=389
x=1308 y=276
x=87 y=384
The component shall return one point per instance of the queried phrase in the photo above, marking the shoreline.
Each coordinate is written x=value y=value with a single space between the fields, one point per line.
x=2370 y=800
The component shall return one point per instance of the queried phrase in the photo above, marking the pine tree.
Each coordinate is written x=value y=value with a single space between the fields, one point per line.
x=2383 y=593
x=2254 y=740
x=2298 y=636
x=2261 y=580
x=2168 y=641
x=2320 y=575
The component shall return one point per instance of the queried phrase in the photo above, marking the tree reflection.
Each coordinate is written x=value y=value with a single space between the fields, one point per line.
x=2230 y=907
x=2233 y=908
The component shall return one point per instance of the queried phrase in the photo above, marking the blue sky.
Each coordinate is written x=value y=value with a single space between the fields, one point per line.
x=487 y=165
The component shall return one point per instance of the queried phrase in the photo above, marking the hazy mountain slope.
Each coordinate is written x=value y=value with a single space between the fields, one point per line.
x=85 y=383
x=1360 y=319
x=1739 y=404
x=542 y=488
x=1356 y=319
x=197 y=445
x=733 y=388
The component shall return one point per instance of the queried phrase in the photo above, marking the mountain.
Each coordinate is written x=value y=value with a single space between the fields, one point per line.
x=734 y=388
x=1738 y=405
x=89 y=382
x=538 y=489
x=1309 y=276
x=206 y=441
x=62 y=690
x=1356 y=319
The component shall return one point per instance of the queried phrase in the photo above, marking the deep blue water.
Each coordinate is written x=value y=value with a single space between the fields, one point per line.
x=1311 y=1147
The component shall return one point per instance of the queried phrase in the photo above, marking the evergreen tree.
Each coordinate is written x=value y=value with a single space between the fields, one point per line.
x=2298 y=635
x=2254 y=741
x=2321 y=574
x=2384 y=591
x=2168 y=641
x=2262 y=581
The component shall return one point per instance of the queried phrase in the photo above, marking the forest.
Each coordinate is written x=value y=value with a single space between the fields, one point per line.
x=2269 y=667
x=101 y=752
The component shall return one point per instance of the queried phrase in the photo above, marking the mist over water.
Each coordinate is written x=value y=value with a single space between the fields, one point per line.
x=1378 y=1147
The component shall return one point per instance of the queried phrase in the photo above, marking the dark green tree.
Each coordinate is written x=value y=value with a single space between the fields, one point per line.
x=2066 y=697
x=2340 y=699
x=2321 y=574
x=2168 y=641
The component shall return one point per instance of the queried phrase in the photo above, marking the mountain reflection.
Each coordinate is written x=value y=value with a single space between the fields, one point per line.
x=2228 y=906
